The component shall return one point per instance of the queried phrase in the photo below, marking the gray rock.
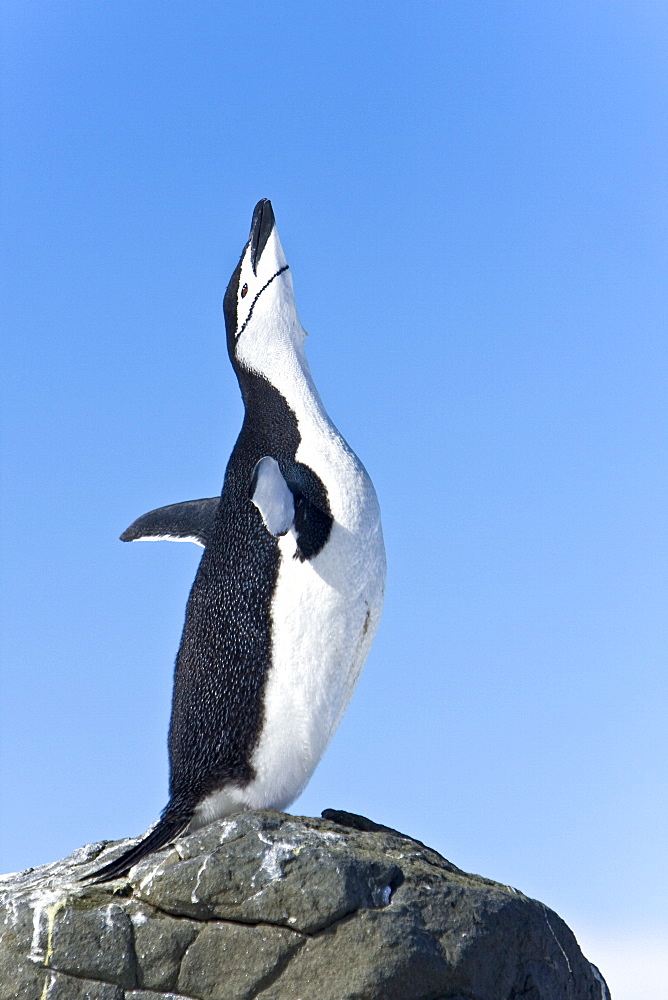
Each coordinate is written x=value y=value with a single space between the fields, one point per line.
x=160 y=944
x=236 y=961
x=58 y=986
x=94 y=944
x=266 y=905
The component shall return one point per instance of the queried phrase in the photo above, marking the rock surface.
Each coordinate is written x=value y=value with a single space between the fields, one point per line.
x=277 y=907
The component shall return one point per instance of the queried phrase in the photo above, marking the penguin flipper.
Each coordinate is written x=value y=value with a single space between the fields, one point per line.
x=166 y=830
x=179 y=522
x=272 y=496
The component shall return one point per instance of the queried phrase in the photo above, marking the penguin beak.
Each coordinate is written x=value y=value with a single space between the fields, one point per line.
x=261 y=228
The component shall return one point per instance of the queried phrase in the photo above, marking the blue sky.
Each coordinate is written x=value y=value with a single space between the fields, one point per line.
x=472 y=200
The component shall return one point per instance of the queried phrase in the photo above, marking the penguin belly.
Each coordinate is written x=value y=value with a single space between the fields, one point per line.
x=321 y=637
x=324 y=615
x=325 y=612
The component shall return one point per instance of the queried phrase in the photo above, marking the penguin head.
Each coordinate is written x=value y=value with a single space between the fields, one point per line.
x=263 y=328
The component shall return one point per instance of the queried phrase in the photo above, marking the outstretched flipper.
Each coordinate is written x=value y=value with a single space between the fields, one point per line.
x=190 y=521
x=167 y=830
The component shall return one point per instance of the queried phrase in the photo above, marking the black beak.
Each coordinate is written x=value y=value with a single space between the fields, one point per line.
x=261 y=227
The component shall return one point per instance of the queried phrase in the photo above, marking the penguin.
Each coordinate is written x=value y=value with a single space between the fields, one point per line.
x=289 y=590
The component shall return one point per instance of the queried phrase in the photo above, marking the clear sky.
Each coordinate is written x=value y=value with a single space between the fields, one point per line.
x=472 y=199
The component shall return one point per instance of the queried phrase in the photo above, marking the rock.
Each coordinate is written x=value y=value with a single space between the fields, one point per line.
x=276 y=907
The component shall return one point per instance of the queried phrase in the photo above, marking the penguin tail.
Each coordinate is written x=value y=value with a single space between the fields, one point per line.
x=167 y=829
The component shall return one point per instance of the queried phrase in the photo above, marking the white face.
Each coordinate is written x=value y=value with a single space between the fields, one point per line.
x=251 y=285
x=269 y=337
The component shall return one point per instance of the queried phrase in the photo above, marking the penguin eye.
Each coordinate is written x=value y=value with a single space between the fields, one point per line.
x=244 y=291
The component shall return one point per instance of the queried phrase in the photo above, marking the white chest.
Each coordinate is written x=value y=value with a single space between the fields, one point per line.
x=325 y=613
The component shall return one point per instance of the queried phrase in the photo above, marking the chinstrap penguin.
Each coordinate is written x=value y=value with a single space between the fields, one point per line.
x=289 y=590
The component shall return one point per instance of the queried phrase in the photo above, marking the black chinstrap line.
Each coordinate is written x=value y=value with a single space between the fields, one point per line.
x=286 y=267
